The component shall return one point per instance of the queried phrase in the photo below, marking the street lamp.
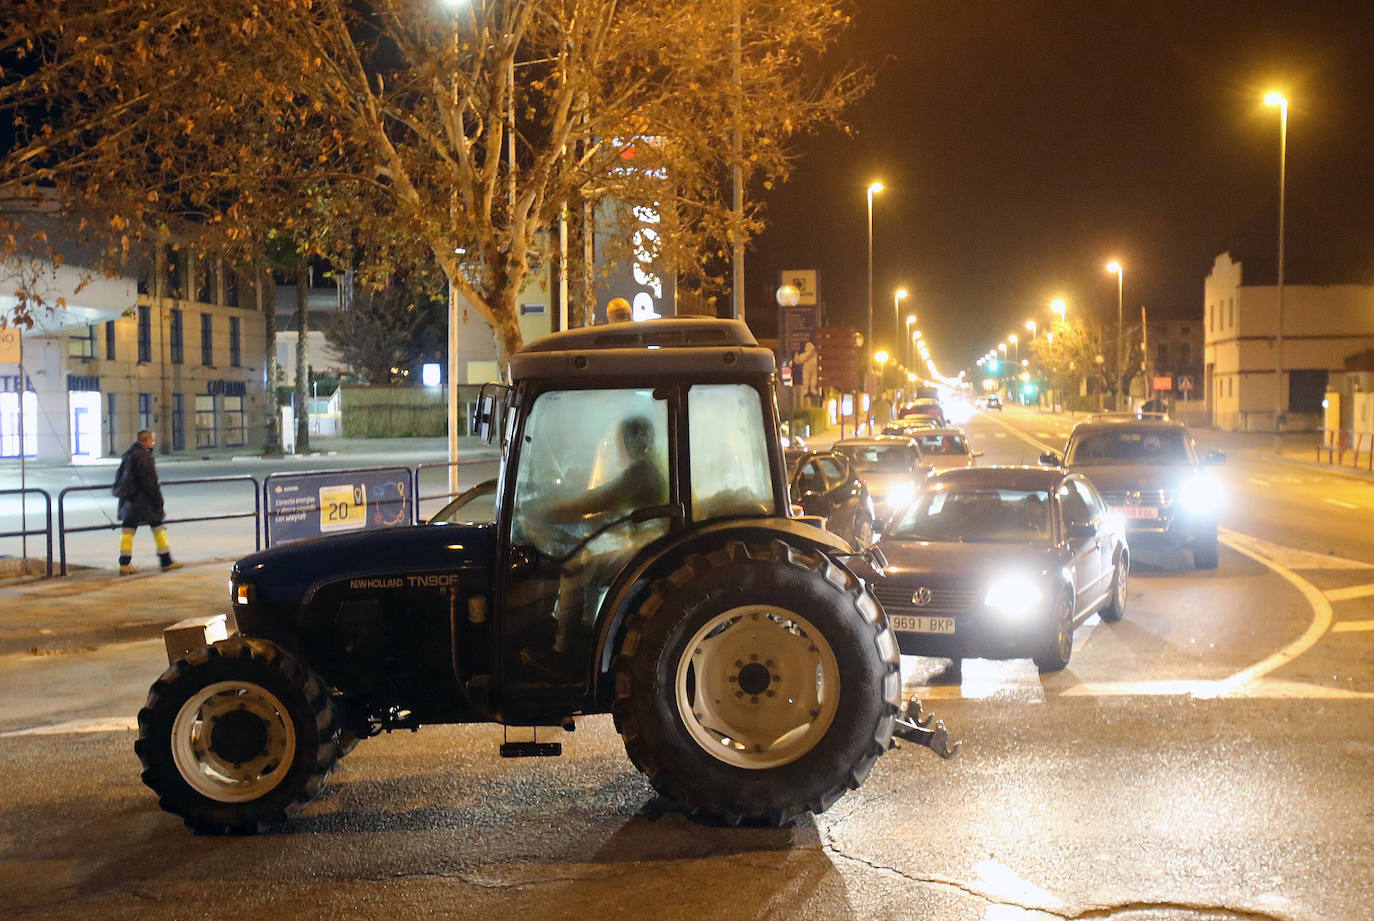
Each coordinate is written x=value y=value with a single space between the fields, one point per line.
x=910 y=318
x=1120 y=271
x=872 y=189
x=1278 y=99
x=1013 y=340
x=1030 y=325
x=897 y=297
x=1058 y=306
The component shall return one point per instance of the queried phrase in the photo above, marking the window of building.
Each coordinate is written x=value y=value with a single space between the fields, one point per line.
x=207 y=340
x=1230 y=386
x=205 y=280
x=176 y=337
x=145 y=334
x=233 y=422
x=145 y=411
x=206 y=436
x=235 y=342
x=178 y=423
x=175 y=272
x=81 y=343
x=1231 y=312
x=1306 y=390
x=1184 y=329
x=110 y=340
x=1210 y=318
x=231 y=287
x=112 y=423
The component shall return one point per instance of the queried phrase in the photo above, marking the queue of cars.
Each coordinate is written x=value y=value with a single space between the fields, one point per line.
x=1005 y=562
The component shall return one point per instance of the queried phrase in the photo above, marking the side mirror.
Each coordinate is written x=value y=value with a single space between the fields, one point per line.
x=1214 y=458
x=797 y=510
x=977 y=453
x=1078 y=530
x=1051 y=459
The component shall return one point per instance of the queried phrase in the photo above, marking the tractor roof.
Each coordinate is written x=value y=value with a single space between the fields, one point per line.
x=701 y=348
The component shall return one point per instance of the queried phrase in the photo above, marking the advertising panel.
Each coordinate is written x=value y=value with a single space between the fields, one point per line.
x=304 y=505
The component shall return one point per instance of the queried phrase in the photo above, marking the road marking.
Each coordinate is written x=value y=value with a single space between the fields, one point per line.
x=1044 y=434
x=1260 y=480
x=1350 y=593
x=99 y=724
x=999 y=434
x=1341 y=504
x=1292 y=558
x=1321 y=612
x=1352 y=626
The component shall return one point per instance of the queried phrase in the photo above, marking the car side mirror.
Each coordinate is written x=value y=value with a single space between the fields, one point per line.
x=1214 y=458
x=1051 y=459
x=977 y=453
x=1080 y=529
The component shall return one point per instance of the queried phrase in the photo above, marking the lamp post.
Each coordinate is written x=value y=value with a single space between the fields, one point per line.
x=872 y=188
x=1058 y=306
x=1278 y=99
x=1015 y=342
x=910 y=318
x=897 y=297
x=1030 y=325
x=1120 y=271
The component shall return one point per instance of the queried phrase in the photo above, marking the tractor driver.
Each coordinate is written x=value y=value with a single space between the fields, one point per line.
x=641 y=484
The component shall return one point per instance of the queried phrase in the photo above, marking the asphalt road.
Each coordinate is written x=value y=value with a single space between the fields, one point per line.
x=1206 y=758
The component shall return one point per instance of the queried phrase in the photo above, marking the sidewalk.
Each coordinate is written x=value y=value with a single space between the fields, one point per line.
x=99 y=607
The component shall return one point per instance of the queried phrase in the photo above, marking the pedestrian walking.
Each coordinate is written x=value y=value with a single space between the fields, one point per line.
x=140 y=502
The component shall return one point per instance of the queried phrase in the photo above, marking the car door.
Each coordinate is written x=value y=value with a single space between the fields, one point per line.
x=1082 y=539
x=1106 y=546
x=808 y=487
x=842 y=493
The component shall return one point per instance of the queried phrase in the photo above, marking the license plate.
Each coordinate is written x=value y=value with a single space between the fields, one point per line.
x=1138 y=511
x=909 y=623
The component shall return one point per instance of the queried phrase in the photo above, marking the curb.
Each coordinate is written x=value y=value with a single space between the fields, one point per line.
x=82 y=638
x=1346 y=472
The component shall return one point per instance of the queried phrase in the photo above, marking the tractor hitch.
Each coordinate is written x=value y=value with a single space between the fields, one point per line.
x=914 y=725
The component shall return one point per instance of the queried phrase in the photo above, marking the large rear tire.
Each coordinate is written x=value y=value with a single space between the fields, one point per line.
x=757 y=683
x=237 y=737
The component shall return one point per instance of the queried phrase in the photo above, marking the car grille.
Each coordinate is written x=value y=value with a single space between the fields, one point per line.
x=897 y=599
x=1147 y=497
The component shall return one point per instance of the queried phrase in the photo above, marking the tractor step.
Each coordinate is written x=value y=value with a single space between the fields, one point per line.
x=531 y=749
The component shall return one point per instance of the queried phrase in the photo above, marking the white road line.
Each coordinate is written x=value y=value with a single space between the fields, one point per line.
x=1352 y=626
x=1350 y=593
x=1044 y=434
x=1341 y=504
x=101 y=724
x=1260 y=480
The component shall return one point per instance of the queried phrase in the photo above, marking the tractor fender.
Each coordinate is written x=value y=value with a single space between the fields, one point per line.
x=665 y=555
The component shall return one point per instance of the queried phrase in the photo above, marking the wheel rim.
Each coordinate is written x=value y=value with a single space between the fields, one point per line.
x=1064 y=638
x=233 y=741
x=757 y=687
x=1121 y=575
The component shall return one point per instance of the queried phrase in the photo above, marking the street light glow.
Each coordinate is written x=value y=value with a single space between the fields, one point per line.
x=875 y=187
x=1114 y=266
x=1059 y=307
x=1012 y=338
x=1275 y=99
x=901 y=293
x=880 y=357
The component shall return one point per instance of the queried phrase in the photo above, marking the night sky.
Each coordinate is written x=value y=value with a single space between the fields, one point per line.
x=1024 y=143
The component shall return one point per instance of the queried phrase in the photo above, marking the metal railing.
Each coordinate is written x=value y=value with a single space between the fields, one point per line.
x=63 y=530
x=1337 y=443
x=24 y=529
x=448 y=493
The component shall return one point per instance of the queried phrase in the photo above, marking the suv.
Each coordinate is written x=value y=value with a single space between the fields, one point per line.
x=1149 y=470
x=639 y=560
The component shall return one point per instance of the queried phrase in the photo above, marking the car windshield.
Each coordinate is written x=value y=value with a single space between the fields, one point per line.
x=966 y=512
x=941 y=444
x=1131 y=446
x=897 y=458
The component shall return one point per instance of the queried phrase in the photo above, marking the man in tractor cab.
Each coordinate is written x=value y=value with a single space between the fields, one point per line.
x=640 y=484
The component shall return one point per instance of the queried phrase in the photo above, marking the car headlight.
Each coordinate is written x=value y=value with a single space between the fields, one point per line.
x=1015 y=596
x=1199 y=495
x=900 y=496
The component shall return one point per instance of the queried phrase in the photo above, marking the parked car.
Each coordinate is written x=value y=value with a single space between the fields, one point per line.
x=1149 y=470
x=890 y=466
x=993 y=402
x=1002 y=562
x=909 y=426
x=925 y=406
x=945 y=449
x=825 y=484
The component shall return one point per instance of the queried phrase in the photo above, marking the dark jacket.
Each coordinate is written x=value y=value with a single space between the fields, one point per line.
x=144 y=505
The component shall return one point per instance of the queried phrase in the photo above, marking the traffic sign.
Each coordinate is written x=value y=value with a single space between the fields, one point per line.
x=1163 y=382
x=1185 y=383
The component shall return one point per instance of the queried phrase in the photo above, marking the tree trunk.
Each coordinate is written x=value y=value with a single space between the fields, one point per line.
x=267 y=304
x=302 y=357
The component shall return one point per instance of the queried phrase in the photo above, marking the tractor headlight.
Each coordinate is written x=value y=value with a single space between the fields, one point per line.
x=1015 y=596
x=1199 y=495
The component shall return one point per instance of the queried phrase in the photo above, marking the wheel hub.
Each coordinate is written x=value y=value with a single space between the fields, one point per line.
x=754 y=678
x=238 y=736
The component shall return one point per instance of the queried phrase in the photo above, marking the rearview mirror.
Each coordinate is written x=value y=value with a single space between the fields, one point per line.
x=1214 y=458
x=1051 y=459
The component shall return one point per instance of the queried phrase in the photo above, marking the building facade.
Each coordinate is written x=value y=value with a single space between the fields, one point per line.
x=1322 y=326
x=178 y=352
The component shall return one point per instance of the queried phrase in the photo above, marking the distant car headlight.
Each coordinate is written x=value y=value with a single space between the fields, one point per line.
x=1015 y=596
x=900 y=496
x=1200 y=495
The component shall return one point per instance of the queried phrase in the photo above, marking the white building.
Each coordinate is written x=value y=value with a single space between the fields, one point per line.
x=1322 y=326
